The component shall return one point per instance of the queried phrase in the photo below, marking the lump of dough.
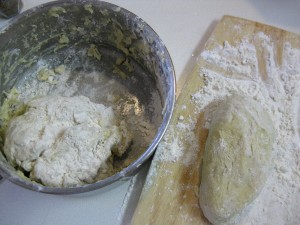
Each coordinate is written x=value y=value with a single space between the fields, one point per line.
x=237 y=159
x=65 y=141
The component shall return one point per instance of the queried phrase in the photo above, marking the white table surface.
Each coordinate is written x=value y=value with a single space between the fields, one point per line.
x=184 y=26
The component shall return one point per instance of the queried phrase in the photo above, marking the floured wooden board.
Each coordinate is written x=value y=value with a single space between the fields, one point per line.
x=170 y=194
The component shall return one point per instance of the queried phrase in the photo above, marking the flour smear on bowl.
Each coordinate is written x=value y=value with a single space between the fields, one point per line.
x=239 y=73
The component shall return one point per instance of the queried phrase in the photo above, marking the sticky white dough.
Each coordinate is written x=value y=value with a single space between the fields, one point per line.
x=65 y=141
x=237 y=159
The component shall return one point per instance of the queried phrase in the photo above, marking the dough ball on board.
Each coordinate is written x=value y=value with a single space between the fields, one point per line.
x=237 y=159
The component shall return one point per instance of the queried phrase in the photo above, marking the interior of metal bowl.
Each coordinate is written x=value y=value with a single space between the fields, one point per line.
x=109 y=54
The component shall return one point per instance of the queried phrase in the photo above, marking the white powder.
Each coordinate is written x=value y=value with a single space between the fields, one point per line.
x=238 y=61
x=173 y=147
x=276 y=87
x=277 y=204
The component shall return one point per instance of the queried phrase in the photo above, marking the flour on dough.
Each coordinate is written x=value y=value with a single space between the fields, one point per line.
x=65 y=141
x=237 y=159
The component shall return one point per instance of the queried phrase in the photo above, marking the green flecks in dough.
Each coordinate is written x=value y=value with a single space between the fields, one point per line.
x=128 y=65
x=237 y=159
x=75 y=30
x=23 y=61
x=89 y=8
x=60 y=69
x=119 y=72
x=87 y=21
x=120 y=41
x=93 y=52
x=4 y=57
x=139 y=46
x=60 y=46
x=10 y=108
x=29 y=63
x=104 y=12
x=104 y=21
x=34 y=27
x=81 y=30
x=56 y=11
x=116 y=23
x=94 y=33
x=125 y=62
x=49 y=75
x=46 y=75
x=63 y=39
x=120 y=60
x=142 y=46
x=119 y=35
x=21 y=174
x=25 y=43
x=34 y=37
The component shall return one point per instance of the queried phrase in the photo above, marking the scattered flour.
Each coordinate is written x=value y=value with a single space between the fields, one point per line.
x=275 y=85
x=173 y=147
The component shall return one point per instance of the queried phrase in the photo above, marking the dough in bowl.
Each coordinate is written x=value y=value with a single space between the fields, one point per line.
x=65 y=141
x=237 y=159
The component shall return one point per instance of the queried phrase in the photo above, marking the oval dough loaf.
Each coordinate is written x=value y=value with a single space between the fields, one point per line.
x=237 y=159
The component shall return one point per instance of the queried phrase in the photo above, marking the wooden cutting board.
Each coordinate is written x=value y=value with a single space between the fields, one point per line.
x=170 y=194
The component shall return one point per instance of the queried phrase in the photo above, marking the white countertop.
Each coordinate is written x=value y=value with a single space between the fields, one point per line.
x=184 y=26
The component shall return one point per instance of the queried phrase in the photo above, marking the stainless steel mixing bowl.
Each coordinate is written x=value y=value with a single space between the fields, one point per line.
x=61 y=32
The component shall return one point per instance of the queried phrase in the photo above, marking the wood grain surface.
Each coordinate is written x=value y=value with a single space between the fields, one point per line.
x=170 y=195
